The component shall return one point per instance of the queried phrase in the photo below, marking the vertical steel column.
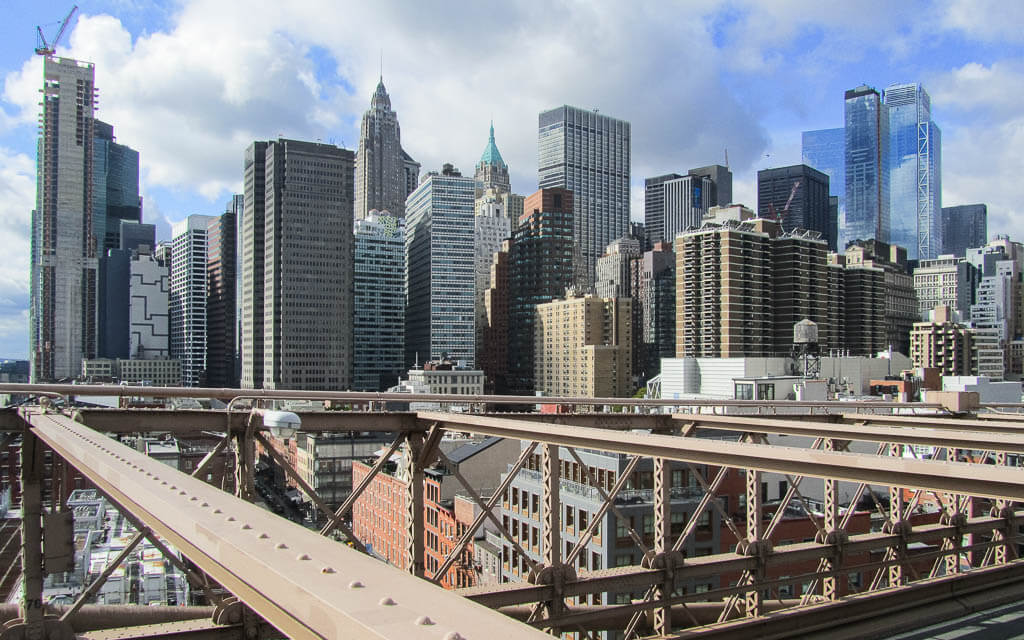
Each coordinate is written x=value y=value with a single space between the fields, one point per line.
x=245 y=462
x=414 y=531
x=31 y=605
x=551 y=469
x=832 y=532
x=753 y=597
x=955 y=504
x=897 y=504
x=662 y=541
x=1004 y=535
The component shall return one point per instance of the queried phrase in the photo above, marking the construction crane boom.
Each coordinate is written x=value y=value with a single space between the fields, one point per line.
x=49 y=48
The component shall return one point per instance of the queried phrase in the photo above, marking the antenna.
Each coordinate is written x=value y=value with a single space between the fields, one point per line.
x=381 y=64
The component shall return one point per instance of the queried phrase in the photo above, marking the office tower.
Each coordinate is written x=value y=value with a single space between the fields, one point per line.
x=943 y=343
x=588 y=154
x=798 y=196
x=64 y=251
x=825 y=150
x=945 y=281
x=188 y=297
x=654 y=206
x=867 y=168
x=149 y=309
x=236 y=205
x=112 y=338
x=491 y=171
x=133 y=235
x=306 y=264
x=385 y=174
x=492 y=348
x=901 y=310
x=115 y=187
x=614 y=272
x=251 y=249
x=656 y=297
x=221 y=322
x=964 y=227
x=439 y=269
x=491 y=227
x=541 y=269
x=721 y=183
x=915 y=172
x=378 y=326
x=582 y=347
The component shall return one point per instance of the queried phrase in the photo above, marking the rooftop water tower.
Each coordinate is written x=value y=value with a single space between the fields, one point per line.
x=805 y=348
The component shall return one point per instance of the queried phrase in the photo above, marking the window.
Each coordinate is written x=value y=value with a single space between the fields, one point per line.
x=744 y=391
x=678 y=522
x=623 y=560
x=765 y=391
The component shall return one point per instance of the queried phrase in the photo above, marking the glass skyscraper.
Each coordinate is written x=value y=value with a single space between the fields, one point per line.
x=915 y=190
x=825 y=150
x=589 y=154
x=964 y=227
x=379 y=288
x=867 y=167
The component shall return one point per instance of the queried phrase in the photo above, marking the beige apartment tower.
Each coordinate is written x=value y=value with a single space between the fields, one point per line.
x=583 y=347
x=942 y=343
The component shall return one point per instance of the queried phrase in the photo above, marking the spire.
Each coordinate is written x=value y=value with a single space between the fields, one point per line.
x=491 y=154
x=380 y=99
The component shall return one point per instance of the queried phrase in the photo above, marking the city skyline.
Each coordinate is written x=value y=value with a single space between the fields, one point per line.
x=319 y=89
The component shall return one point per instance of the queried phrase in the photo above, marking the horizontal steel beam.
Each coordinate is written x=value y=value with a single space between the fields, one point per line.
x=363 y=397
x=198 y=420
x=918 y=432
x=304 y=584
x=956 y=477
x=937 y=423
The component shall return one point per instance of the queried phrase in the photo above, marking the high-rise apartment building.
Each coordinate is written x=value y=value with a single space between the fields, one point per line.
x=253 y=227
x=964 y=227
x=656 y=297
x=440 y=276
x=867 y=168
x=187 y=308
x=221 y=322
x=541 y=269
x=307 y=266
x=493 y=336
x=64 y=248
x=915 y=172
x=825 y=150
x=582 y=347
x=901 y=310
x=798 y=196
x=491 y=171
x=385 y=173
x=943 y=343
x=615 y=269
x=863 y=305
x=379 y=290
x=589 y=154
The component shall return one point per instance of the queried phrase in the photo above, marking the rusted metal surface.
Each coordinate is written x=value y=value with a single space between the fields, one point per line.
x=304 y=584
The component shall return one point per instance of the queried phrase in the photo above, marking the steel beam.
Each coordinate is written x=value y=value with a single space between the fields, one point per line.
x=978 y=480
x=921 y=433
x=1002 y=424
x=304 y=584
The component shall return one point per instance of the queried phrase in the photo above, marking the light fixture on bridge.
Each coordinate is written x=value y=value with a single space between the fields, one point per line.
x=283 y=424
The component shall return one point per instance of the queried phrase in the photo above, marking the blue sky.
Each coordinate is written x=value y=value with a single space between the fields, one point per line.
x=190 y=83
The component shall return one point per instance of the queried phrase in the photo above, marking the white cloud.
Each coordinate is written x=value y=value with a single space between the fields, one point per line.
x=986 y=20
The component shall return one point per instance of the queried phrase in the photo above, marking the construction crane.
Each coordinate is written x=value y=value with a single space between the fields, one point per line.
x=792 y=194
x=45 y=48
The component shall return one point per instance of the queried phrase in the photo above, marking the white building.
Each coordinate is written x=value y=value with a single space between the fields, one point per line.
x=149 y=315
x=187 y=306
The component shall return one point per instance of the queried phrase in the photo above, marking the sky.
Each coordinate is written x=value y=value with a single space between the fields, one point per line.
x=190 y=83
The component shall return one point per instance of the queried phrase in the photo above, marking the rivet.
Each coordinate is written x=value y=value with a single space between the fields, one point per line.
x=328 y=570
x=387 y=602
x=303 y=556
x=163 y=483
x=173 y=487
x=424 y=620
x=355 y=584
x=205 y=504
x=183 y=493
x=231 y=518
x=217 y=511
x=280 y=545
x=454 y=635
x=246 y=526
x=264 y=536
x=193 y=499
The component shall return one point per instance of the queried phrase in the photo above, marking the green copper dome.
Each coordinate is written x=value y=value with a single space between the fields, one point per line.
x=491 y=154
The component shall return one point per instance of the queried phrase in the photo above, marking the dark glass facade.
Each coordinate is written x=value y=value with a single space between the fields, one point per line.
x=809 y=207
x=964 y=227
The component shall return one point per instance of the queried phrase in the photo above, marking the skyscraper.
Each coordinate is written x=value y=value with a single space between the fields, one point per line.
x=307 y=266
x=64 y=248
x=589 y=154
x=149 y=307
x=867 y=168
x=491 y=171
x=188 y=297
x=915 y=154
x=805 y=191
x=964 y=227
x=721 y=183
x=221 y=322
x=115 y=187
x=825 y=150
x=439 y=269
x=251 y=249
x=385 y=174
x=379 y=292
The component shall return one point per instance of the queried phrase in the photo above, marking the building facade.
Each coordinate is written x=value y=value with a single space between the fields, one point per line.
x=589 y=154
x=964 y=227
x=440 y=275
x=385 y=173
x=187 y=307
x=915 y=172
x=379 y=289
x=867 y=168
x=614 y=272
x=221 y=322
x=149 y=307
x=115 y=187
x=252 y=239
x=583 y=347
x=64 y=247
x=901 y=308
x=307 y=267
x=943 y=343
x=945 y=281
x=798 y=196
x=491 y=171
x=656 y=297
x=825 y=150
